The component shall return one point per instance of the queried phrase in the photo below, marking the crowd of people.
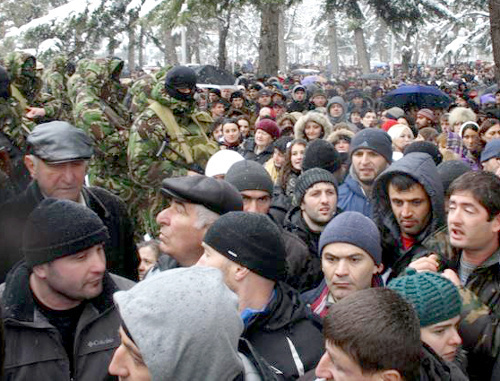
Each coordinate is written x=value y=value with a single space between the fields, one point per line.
x=284 y=228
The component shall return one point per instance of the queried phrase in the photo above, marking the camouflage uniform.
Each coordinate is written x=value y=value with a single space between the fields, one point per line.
x=154 y=155
x=480 y=323
x=21 y=68
x=98 y=112
x=56 y=84
x=141 y=90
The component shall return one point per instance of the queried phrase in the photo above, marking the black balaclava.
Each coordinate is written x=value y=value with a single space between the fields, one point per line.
x=4 y=84
x=181 y=77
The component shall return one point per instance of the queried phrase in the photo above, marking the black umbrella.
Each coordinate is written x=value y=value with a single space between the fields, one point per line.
x=417 y=95
x=208 y=74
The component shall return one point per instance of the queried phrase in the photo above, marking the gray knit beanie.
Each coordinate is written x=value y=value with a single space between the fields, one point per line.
x=356 y=229
x=249 y=175
x=57 y=228
x=434 y=297
x=310 y=177
x=185 y=323
x=374 y=139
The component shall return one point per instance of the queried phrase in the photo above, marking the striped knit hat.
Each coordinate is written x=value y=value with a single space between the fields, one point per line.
x=434 y=297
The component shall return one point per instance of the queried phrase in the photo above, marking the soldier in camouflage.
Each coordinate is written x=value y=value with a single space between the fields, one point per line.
x=468 y=253
x=14 y=129
x=140 y=91
x=26 y=88
x=168 y=139
x=56 y=84
x=97 y=110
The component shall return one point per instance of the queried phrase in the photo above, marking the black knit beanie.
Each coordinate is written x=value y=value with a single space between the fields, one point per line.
x=252 y=240
x=426 y=147
x=321 y=154
x=57 y=228
x=310 y=177
x=249 y=175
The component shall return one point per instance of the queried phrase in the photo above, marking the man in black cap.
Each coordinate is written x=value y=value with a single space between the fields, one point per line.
x=299 y=100
x=256 y=187
x=249 y=251
x=59 y=316
x=315 y=199
x=196 y=202
x=57 y=159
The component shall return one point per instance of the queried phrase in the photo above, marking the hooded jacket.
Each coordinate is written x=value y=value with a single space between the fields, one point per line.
x=296 y=105
x=342 y=118
x=286 y=334
x=34 y=349
x=419 y=166
x=312 y=116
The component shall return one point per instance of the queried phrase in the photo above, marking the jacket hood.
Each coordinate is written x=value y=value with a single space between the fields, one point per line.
x=420 y=167
x=334 y=137
x=186 y=324
x=341 y=118
x=21 y=67
x=316 y=117
x=299 y=87
x=14 y=64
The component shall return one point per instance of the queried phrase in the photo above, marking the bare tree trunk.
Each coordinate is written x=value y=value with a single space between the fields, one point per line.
x=283 y=59
x=359 y=40
x=224 y=25
x=494 y=8
x=268 y=44
x=406 y=53
x=383 y=51
x=141 y=47
x=196 y=47
x=131 y=47
x=170 y=54
x=333 y=47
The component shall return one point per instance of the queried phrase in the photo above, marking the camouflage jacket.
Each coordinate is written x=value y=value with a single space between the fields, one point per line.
x=55 y=81
x=154 y=155
x=142 y=89
x=13 y=124
x=97 y=110
x=30 y=85
x=480 y=323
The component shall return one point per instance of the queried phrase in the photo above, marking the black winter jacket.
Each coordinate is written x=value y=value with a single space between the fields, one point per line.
x=121 y=255
x=287 y=335
x=34 y=348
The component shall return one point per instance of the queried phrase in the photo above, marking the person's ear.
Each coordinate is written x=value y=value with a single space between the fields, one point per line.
x=390 y=375
x=30 y=165
x=240 y=273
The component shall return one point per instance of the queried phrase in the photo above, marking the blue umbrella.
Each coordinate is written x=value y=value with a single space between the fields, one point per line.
x=417 y=95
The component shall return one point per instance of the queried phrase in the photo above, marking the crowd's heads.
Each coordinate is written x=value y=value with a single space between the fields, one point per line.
x=59 y=142
x=161 y=321
x=59 y=228
x=371 y=332
x=220 y=162
x=346 y=228
x=216 y=195
x=450 y=170
x=490 y=156
x=180 y=83
x=251 y=240
x=269 y=126
x=375 y=140
x=434 y=297
x=321 y=154
x=308 y=179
